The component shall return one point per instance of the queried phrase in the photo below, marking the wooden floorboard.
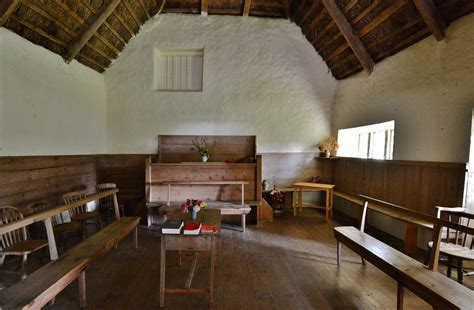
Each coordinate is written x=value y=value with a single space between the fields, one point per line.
x=289 y=263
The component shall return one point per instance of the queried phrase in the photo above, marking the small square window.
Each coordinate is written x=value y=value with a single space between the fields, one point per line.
x=178 y=69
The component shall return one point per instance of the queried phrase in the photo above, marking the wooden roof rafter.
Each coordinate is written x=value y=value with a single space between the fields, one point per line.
x=54 y=19
x=89 y=29
x=247 y=5
x=354 y=42
x=204 y=7
x=383 y=27
x=6 y=9
x=433 y=19
x=106 y=24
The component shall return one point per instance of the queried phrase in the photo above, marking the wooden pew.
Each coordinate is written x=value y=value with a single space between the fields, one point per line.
x=433 y=287
x=43 y=285
x=436 y=289
x=411 y=222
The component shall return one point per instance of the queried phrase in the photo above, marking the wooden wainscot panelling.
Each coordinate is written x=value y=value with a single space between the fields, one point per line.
x=127 y=171
x=415 y=185
x=29 y=178
x=175 y=149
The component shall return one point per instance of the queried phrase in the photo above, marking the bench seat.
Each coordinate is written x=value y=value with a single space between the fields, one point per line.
x=432 y=286
x=43 y=285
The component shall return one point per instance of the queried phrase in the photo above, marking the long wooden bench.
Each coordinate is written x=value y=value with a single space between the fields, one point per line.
x=43 y=285
x=411 y=222
x=433 y=287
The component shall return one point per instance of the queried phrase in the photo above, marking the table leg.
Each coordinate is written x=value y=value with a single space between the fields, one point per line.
x=300 y=199
x=339 y=252
x=331 y=202
x=168 y=203
x=213 y=273
x=162 y=271
x=243 y=222
x=293 y=201
x=327 y=205
x=135 y=238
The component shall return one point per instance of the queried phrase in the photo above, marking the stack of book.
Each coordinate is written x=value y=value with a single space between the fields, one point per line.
x=174 y=227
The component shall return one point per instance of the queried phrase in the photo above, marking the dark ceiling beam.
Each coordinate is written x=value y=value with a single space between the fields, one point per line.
x=130 y=11
x=432 y=18
x=247 y=5
x=354 y=42
x=6 y=9
x=89 y=29
x=144 y=9
x=204 y=7
x=111 y=29
x=287 y=9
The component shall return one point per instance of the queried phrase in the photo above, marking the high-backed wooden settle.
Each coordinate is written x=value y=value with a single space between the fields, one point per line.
x=232 y=158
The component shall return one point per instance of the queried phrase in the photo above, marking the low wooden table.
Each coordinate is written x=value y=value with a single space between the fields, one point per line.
x=199 y=243
x=306 y=186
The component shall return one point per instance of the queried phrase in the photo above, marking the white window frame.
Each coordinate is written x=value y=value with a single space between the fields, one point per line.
x=359 y=142
x=182 y=71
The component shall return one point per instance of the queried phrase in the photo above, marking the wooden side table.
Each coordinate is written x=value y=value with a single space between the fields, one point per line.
x=199 y=243
x=306 y=186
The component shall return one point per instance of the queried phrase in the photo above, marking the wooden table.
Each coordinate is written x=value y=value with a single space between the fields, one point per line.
x=306 y=186
x=200 y=243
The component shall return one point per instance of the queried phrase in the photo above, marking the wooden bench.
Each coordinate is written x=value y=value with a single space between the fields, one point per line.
x=433 y=287
x=412 y=222
x=43 y=285
x=226 y=207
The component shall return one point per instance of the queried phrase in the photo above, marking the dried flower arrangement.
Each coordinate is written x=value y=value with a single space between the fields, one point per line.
x=329 y=146
x=201 y=146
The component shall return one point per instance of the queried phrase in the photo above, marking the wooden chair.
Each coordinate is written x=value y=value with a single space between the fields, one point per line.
x=61 y=226
x=107 y=203
x=80 y=213
x=455 y=244
x=16 y=242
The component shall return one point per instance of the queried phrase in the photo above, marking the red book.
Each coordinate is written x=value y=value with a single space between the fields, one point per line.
x=192 y=228
x=208 y=229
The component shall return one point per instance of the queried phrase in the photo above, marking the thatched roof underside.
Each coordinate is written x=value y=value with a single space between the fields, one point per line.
x=381 y=27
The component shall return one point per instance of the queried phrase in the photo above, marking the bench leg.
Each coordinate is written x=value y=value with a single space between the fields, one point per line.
x=339 y=252
x=400 y=293
x=162 y=272
x=135 y=238
x=460 y=270
x=243 y=222
x=362 y=260
x=82 y=289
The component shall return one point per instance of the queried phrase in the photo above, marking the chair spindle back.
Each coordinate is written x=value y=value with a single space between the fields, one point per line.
x=72 y=197
x=8 y=215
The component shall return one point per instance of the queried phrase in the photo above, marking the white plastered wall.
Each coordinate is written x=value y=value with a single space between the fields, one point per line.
x=48 y=107
x=428 y=89
x=261 y=77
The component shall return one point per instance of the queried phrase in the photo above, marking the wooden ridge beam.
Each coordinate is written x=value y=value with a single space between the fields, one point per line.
x=432 y=18
x=204 y=7
x=88 y=31
x=354 y=42
x=7 y=7
x=247 y=5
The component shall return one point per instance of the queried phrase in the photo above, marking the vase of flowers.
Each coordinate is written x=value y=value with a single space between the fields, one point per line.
x=328 y=147
x=202 y=148
x=193 y=206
